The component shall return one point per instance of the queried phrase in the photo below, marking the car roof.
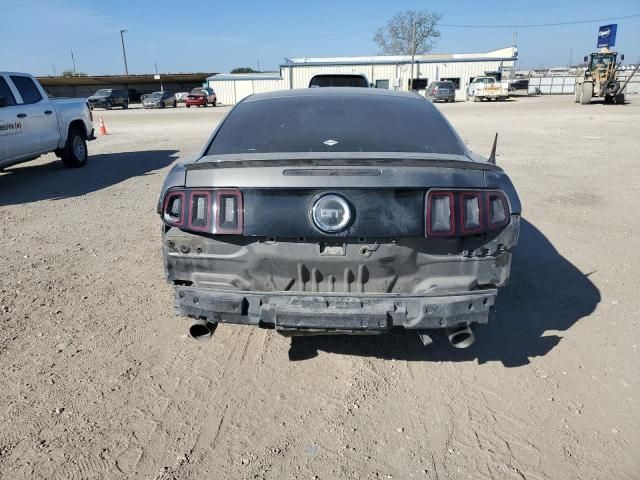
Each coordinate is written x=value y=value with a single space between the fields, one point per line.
x=334 y=92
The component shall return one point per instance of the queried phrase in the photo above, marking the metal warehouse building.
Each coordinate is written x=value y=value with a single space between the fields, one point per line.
x=392 y=72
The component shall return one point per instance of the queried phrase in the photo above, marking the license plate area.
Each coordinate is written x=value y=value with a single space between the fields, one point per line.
x=332 y=249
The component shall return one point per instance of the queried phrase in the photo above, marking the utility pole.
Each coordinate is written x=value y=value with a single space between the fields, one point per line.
x=570 y=57
x=413 y=52
x=158 y=76
x=73 y=61
x=124 y=53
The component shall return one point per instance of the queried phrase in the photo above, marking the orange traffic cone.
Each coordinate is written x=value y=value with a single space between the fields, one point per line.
x=102 y=130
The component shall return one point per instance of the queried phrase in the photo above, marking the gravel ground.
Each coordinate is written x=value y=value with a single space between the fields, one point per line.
x=100 y=381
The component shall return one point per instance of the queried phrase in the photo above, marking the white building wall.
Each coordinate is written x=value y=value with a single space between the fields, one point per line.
x=231 y=91
x=398 y=75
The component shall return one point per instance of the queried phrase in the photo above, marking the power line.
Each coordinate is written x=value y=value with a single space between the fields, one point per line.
x=532 y=25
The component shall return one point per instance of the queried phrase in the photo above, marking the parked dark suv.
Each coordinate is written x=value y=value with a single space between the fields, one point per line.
x=108 y=98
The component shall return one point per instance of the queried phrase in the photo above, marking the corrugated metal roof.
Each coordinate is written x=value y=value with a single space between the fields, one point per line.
x=123 y=79
x=245 y=76
x=505 y=54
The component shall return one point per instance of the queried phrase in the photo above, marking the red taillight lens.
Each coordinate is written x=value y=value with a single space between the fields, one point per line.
x=470 y=214
x=497 y=210
x=205 y=210
x=200 y=210
x=229 y=212
x=440 y=213
x=459 y=213
x=173 y=210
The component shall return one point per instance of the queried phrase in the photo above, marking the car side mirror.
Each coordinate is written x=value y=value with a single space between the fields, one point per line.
x=586 y=58
x=622 y=57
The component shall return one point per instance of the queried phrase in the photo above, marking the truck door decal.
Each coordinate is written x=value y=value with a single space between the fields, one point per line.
x=10 y=128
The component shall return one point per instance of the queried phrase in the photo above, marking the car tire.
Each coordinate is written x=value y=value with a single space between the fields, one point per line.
x=215 y=102
x=188 y=106
x=608 y=99
x=107 y=106
x=205 y=104
x=619 y=99
x=162 y=105
x=175 y=104
x=75 y=154
x=125 y=105
x=586 y=92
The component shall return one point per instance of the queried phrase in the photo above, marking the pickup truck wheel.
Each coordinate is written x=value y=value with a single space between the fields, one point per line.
x=74 y=154
x=215 y=102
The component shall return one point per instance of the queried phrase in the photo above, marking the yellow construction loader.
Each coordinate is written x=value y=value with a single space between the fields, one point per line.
x=600 y=78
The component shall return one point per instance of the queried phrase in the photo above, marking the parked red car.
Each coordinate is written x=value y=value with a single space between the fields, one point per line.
x=201 y=97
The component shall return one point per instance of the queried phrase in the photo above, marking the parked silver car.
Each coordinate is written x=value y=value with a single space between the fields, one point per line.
x=159 y=100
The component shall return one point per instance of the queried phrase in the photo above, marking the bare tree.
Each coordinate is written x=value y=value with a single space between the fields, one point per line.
x=409 y=33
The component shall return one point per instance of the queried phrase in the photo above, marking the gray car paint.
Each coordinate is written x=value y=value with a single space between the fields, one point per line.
x=265 y=281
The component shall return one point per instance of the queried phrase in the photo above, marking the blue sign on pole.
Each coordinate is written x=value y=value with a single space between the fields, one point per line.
x=607 y=35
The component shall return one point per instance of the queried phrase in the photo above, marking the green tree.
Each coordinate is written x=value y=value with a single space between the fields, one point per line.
x=71 y=73
x=244 y=70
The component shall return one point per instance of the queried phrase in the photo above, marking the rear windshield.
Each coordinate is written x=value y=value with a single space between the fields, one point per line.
x=444 y=84
x=335 y=123
x=197 y=91
x=338 y=81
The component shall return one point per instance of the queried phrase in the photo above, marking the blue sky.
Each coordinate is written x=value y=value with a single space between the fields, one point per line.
x=217 y=35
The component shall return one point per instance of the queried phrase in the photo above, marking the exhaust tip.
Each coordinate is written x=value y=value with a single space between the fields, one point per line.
x=202 y=331
x=461 y=337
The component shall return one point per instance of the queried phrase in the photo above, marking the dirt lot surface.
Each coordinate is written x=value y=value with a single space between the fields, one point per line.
x=99 y=380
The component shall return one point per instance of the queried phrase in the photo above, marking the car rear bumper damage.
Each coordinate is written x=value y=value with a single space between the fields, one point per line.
x=360 y=287
x=367 y=313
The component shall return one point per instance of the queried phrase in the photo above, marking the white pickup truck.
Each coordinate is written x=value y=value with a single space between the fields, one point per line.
x=487 y=87
x=31 y=124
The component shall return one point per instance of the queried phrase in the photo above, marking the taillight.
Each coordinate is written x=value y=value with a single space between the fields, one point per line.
x=465 y=212
x=173 y=209
x=229 y=212
x=205 y=210
x=440 y=215
x=200 y=210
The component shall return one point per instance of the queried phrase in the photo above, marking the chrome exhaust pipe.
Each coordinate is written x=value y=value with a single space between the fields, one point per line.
x=201 y=330
x=461 y=336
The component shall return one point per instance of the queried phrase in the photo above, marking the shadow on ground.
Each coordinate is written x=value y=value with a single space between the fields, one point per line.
x=547 y=293
x=26 y=183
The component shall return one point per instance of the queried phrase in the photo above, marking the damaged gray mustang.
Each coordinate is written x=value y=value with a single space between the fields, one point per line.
x=338 y=210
